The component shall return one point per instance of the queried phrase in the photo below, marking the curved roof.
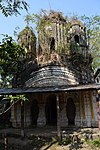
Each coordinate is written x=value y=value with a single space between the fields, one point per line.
x=26 y=31
x=56 y=16
x=53 y=76
x=76 y=22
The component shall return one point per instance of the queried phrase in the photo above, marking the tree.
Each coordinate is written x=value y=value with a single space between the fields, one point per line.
x=12 y=7
x=10 y=56
x=10 y=52
x=93 y=31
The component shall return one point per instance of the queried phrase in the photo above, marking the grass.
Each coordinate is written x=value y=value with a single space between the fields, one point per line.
x=95 y=143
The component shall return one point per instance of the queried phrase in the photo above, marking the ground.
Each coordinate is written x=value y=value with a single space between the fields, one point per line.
x=46 y=139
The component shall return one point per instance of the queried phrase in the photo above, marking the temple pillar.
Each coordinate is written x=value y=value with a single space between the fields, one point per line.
x=27 y=111
x=58 y=118
x=41 y=121
x=13 y=118
x=63 y=117
x=98 y=112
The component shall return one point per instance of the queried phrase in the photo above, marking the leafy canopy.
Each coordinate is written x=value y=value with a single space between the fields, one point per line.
x=93 y=31
x=12 y=7
x=10 y=57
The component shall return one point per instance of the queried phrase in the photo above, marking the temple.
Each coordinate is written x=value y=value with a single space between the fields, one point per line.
x=56 y=76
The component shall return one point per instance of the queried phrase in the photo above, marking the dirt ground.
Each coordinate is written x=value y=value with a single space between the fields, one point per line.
x=46 y=139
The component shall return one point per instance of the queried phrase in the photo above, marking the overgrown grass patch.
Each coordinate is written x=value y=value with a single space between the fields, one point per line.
x=95 y=143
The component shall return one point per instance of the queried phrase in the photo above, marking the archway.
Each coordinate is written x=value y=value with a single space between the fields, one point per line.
x=52 y=44
x=71 y=111
x=51 y=110
x=34 y=112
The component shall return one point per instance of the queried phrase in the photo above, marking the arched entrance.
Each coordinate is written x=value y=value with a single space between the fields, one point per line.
x=71 y=111
x=51 y=110
x=34 y=112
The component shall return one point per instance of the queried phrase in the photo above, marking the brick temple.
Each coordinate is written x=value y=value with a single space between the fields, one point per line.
x=56 y=76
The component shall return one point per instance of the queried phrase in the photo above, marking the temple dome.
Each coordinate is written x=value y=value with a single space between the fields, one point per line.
x=74 y=22
x=27 y=40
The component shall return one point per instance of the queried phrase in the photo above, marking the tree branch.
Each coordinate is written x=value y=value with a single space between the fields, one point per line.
x=9 y=107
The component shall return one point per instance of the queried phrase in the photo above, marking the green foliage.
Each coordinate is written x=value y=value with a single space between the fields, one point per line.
x=95 y=143
x=13 y=99
x=12 y=7
x=93 y=31
x=75 y=47
x=10 y=56
x=39 y=20
x=17 y=97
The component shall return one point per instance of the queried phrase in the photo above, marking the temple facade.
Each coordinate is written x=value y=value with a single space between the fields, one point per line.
x=62 y=62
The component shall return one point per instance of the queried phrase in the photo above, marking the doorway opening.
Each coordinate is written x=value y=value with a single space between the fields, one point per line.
x=51 y=110
x=34 y=112
x=52 y=44
x=71 y=111
x=76 y=38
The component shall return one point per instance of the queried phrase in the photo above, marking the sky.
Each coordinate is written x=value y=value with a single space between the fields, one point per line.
x=67 y=7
